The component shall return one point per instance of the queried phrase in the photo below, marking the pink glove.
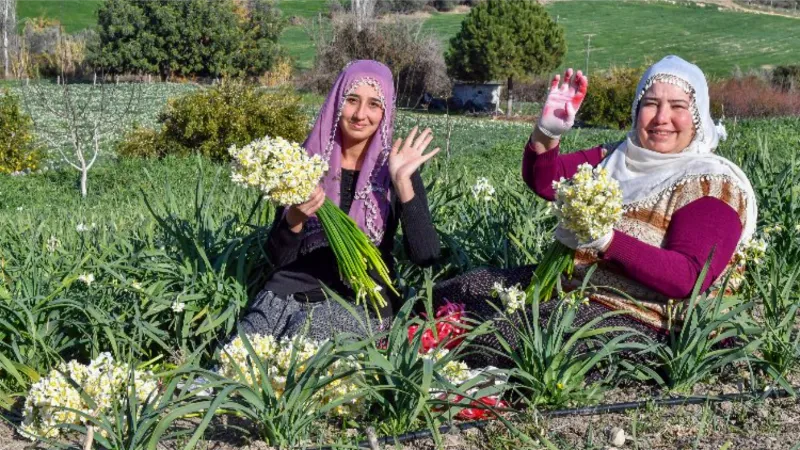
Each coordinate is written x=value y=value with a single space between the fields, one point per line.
x=558 y=114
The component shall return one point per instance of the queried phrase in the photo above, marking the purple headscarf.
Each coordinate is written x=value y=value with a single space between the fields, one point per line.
x=370 y=206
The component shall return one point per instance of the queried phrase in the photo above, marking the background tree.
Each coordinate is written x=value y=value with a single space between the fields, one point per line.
x=502 y=39
x=261 y=25
x=188 y=38
x=8 y=27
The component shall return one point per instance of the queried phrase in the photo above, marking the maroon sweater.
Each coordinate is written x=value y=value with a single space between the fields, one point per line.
x=694 y=230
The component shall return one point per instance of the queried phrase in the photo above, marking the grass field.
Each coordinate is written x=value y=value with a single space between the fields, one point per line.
x=74 y=15
x=622 y=32
x=49 y=237
x=633 y=33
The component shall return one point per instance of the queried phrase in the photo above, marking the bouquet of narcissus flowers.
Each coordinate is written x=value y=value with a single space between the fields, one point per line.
x=588 y=205
x=285 y=356
x=55 y=400
x=287 y=175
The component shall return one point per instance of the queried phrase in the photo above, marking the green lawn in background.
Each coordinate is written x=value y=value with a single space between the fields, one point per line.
x=623 y=32
x=74 y=15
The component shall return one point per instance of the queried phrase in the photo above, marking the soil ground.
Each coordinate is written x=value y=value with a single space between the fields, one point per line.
x=769 y=424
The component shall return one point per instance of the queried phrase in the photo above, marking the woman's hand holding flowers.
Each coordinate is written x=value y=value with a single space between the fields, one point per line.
x=563 y=102
x=406 y=157
x=569 y=239
x=297 y=215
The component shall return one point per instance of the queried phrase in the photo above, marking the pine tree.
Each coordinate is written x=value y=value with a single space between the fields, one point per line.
x=502 y=39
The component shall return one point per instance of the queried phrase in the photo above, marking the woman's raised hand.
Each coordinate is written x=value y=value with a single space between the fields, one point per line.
x=297 y=215
x=406 y=157
x=563 y=102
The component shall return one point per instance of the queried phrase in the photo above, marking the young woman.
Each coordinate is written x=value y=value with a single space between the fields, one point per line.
x=376 y=182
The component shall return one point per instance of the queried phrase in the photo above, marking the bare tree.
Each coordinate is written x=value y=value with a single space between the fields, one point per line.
x=80 y=120
x=364 y=10
x=9 y=29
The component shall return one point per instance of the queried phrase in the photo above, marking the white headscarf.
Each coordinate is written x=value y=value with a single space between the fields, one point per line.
x=643 y=174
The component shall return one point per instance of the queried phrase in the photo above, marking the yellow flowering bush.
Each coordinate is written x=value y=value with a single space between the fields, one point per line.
x=54 y=400
x=276 y=355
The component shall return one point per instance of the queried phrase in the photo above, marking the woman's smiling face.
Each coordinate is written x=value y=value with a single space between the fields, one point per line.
x=361 y=114
x=665 y=123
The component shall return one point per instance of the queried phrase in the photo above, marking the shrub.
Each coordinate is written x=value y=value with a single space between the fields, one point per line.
x=209 y=121
x=786 y=77
x=445 y=5
x=501 y=40
x=415 y=58
x=45 y=49
x=187 y=38
x=400 y=6
x=141 y=142
x=609 y=98
x=18 y=150
x=752 y=97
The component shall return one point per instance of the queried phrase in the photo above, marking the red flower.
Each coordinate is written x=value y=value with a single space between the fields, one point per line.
x=428 y=341
x=477 y=408
x=448 y=328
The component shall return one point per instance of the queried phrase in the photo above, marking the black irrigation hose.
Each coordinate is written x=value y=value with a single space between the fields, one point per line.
x=587 y=411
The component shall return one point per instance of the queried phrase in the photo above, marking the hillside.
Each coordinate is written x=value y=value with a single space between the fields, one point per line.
x=622 y=32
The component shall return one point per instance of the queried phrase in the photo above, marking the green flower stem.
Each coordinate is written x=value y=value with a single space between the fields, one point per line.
x=355 y=254
x=558 y=259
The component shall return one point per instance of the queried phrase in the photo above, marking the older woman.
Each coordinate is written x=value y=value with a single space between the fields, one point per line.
x=377 y=183
x=681 y=201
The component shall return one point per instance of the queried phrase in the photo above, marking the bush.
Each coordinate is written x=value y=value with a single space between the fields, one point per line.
x=45 y=49
x=141 y=142
x=188 y=38
x=609 y=98
x=18 y=150
x=415 y=58
x=752 y=97
x=445 y=5
x=210 y=121
x=400 y=6
x=786 y=77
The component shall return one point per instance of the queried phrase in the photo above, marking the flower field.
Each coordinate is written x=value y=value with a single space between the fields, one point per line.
x=113 y=310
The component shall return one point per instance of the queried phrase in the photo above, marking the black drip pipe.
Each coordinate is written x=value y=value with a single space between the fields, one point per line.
x=587 y=411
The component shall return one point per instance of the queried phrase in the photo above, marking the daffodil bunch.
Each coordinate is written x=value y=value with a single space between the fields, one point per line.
x=280 y=357
x=587 y=205
x=54 y=400
x=287 y=175
x=283 y=171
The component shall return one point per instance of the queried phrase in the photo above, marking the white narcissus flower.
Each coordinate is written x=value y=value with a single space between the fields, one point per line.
x=282 y=170
x=53 y=243
x=482 y=190
x=53 y=400
x=752 y=251
x=86 y=278
x=277 y=357
x=512 y=297
x=588 y=204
